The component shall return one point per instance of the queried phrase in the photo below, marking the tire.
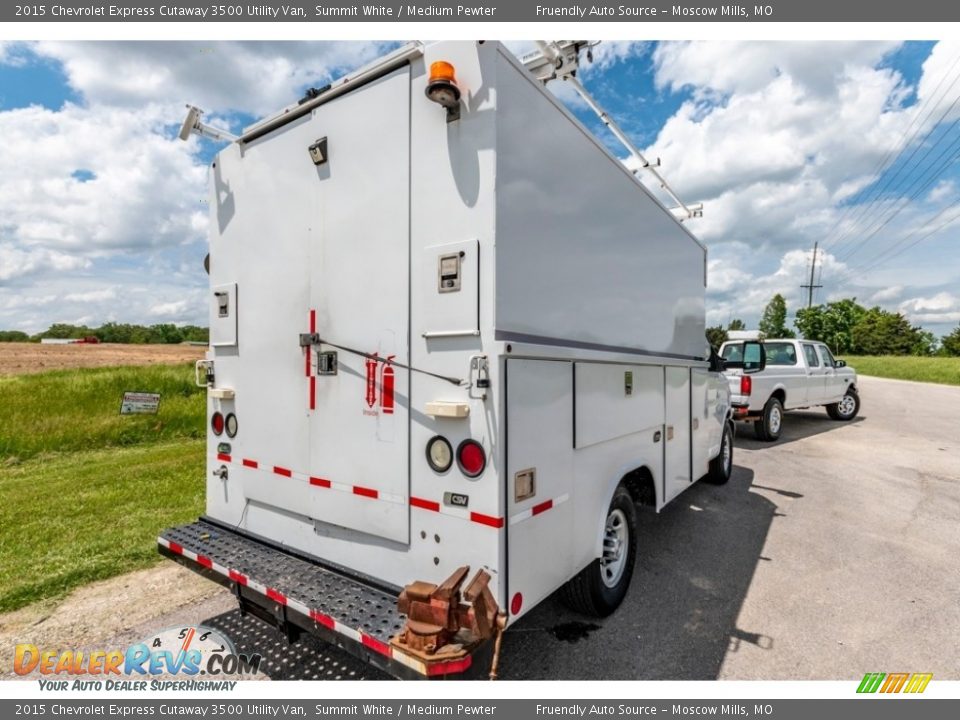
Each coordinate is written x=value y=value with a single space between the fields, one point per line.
x=847 y=409
x=770 y=424
x=600 y=587
x=721 y=467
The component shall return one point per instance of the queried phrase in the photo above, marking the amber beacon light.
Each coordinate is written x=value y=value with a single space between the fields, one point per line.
x=442 y=88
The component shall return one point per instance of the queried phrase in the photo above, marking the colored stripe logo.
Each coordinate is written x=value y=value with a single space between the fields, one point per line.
x=889 y=683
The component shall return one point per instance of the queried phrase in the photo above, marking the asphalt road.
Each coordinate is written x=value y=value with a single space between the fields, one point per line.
x=831 y=553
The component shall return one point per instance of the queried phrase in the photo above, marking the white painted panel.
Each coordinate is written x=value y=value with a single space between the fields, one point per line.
x=360 y=293
x=677 y=431
x=540 y=436
x=604 y=409
x=451 y=312
x=704 y=426
x=223 y=315
x=583 y=252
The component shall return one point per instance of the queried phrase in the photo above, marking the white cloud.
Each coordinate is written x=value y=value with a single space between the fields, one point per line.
x=944 y=307
x=17 y=263
x=174 y=309
x=91 y=296
x=886 y=294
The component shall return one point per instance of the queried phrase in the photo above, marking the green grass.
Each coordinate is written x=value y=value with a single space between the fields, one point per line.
x=69 y=520
x=944 y=370
x=83 y=490
x=71 y=410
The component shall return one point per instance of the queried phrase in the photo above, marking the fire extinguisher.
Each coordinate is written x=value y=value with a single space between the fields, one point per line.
x=386 y=387
x=371 y=364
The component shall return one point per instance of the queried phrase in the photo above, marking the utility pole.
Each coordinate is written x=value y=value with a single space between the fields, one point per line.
x=810 y=287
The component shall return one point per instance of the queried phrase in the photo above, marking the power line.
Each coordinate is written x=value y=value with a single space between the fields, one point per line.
x=877 y=192
x=810 y=287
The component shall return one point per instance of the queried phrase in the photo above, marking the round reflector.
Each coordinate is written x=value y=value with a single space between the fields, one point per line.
x=216 y=423
x=471 y=458
x=231 y=425
x=516 y=604
x=439 y=454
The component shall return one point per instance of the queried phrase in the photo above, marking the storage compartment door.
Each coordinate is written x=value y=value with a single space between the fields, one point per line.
x=539 y=478
x=360 y=286
x=676 y=448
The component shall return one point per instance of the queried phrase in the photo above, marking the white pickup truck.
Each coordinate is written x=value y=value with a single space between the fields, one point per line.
x=798 y=374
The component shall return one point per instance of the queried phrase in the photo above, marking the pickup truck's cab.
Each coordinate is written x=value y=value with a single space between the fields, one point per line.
x=798 y=374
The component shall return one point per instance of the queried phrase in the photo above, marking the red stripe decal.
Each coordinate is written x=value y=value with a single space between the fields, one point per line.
x=320 y=482
x=238 y=578
x=449 y=668
x=313 y=321
x=250 y=463
x=223 y=456
x=365 y=492
x=374 y=644
x=322 y=619
x=542 y=507
x=425 y=504
x=282 y=471
x=494 y=522
x=277 y=596
x=178 y=549
x=306 y=361
x=313 y=393
x=205 y=561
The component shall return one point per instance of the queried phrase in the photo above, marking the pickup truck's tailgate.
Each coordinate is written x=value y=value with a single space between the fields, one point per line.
x=292 y=590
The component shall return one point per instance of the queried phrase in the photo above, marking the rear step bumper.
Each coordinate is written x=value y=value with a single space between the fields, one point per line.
x=296 y=594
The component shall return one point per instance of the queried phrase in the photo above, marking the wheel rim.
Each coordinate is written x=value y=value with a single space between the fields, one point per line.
x=616 y=539
x=847 y=405
x=727 y=453
x=776 y=418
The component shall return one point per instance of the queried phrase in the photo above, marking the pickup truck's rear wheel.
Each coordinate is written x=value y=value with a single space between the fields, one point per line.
x=848 y=407
x=600 y=587
x=770 y=424
x=721 y=467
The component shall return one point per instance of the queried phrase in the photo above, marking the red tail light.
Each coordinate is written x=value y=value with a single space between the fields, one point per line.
x=471 y=458
x=216 y=423
x=746 y=384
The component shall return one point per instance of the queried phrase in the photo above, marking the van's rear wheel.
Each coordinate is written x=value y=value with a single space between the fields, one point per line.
x=721 y=467
x=601 y=586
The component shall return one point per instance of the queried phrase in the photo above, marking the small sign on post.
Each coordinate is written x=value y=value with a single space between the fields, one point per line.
x=140 y=403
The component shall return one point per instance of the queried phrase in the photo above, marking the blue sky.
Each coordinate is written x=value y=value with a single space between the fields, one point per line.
x=102 y=209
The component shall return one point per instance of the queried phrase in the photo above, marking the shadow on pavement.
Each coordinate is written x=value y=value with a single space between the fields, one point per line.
x=797 y=425
x=695 y=563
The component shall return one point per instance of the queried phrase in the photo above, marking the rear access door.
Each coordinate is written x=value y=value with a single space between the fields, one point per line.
x=358 y=402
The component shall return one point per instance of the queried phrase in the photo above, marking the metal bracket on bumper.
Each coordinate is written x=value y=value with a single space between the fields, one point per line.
x=297 y=594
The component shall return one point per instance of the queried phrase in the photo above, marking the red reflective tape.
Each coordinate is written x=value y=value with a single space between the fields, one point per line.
x=313 y=321
x=250 y=463
x=238 y=578
x=494 y=522
x=320 y=482
x=306 y=361
x=277 y=596
x=205 y=561
x=176 y=548
x=223 y=456
x=425 y=504
x=542 y=507
x=282 y=471
x=365 y=492
x=322 y=619
x=313 y=393
x=449 y=668
x=374 y=644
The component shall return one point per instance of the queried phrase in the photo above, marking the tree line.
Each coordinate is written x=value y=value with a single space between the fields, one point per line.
x=848 y=328
x=161 y=334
